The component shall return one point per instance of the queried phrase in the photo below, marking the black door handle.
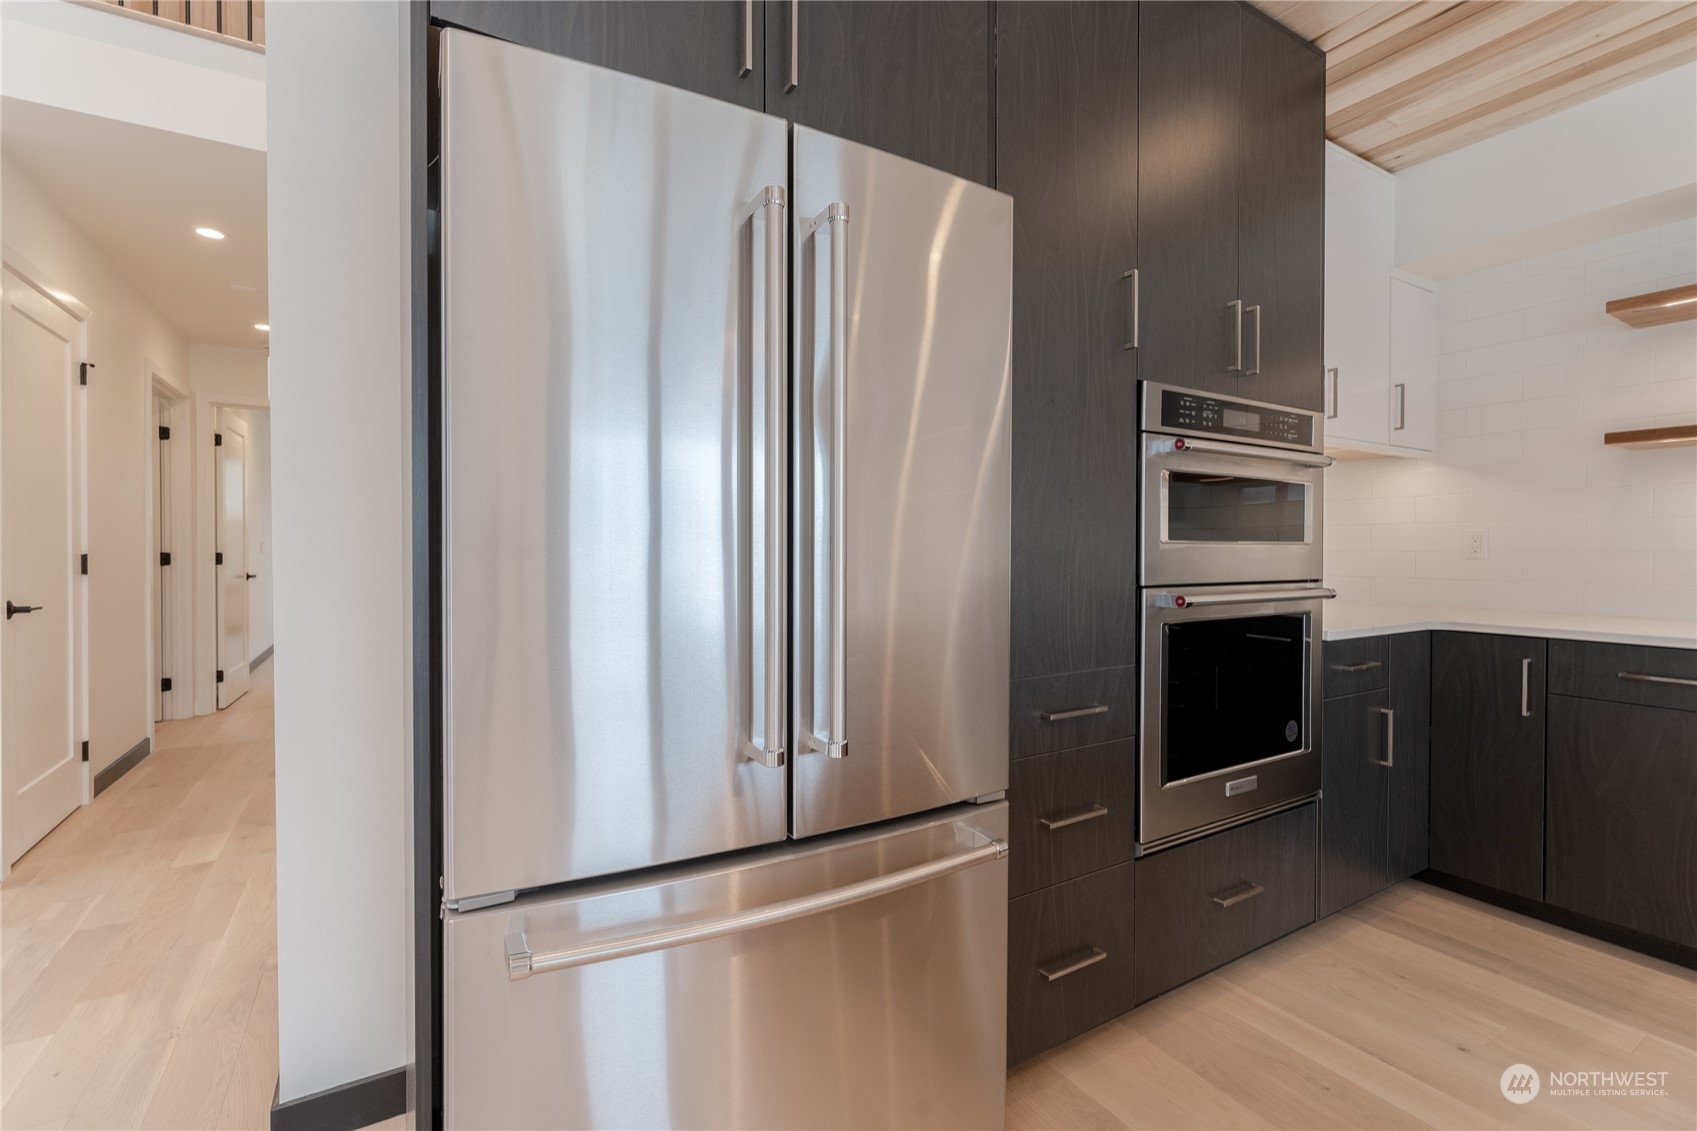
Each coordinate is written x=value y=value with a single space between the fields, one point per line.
x=251 y=576
x=13 y=610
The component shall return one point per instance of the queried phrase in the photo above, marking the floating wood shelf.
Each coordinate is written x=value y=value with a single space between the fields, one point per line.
x=1644 y=438
x=1658 y=308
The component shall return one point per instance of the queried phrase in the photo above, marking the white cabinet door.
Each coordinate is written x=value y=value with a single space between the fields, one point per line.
x=1413 y=417
x=1360 y=236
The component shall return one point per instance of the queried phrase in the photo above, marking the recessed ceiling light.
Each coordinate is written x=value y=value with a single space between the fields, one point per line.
x=262 y=326
x=209 y=233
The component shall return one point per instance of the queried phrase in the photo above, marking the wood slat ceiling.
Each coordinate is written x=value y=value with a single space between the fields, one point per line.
x=1407 y=80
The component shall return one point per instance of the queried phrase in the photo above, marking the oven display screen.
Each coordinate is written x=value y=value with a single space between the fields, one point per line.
x=1240 y=418
x=1198 y=412
x=1236 y=692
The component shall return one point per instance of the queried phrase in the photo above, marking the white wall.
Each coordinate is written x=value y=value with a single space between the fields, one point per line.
x=124 y=335
x=338 y=173
x=1533 y=372
x=1616 y=164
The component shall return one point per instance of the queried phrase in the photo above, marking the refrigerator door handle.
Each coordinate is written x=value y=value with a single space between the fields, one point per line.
x=834 y=222
x=522 y=962
x=770 y=742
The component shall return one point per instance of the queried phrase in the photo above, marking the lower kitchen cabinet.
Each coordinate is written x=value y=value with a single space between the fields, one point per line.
x=1408 y=800
x=1071 y=814
x=1488 y=719
x=1202 y=904
x=1621 y=825
x=1070 y=953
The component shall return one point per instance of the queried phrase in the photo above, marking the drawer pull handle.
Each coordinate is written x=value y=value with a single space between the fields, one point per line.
x=1365 y=666
x=1074 y=713
x=1247 y=891
x=1645 y=678
x=1076 y=817
x=1055 y=971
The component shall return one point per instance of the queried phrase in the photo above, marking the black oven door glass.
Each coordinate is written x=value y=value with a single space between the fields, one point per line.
x=1235 y=508
x=1235 y=692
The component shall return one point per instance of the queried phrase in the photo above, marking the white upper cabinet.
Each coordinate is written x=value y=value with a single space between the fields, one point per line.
x=1379 y=382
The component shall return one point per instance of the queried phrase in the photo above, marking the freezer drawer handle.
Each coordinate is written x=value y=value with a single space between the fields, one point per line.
x=1072 y=964
x=1247 y=891
x=1074 y=713
x=1076 y=817
x=522 y=962
x=1643 y=677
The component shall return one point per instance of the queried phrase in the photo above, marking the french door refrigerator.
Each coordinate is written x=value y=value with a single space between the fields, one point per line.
x=725 y=562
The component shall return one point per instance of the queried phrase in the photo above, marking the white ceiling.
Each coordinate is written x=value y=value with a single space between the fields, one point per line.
x=138 y=194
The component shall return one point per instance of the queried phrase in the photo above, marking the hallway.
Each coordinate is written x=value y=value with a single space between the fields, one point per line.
x=138 y=942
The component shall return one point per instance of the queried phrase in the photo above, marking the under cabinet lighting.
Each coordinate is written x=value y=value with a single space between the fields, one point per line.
x=209 y=233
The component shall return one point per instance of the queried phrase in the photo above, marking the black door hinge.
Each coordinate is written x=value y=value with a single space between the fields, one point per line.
x=218 y=557
x=82 y=372
x=85 y=565
x=220 y=675
x=165 y=684
x=164 y=431
x=164 y=557
x=85 y=749
x=217 y=439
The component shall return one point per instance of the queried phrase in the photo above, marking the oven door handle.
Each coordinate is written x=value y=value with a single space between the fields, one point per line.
x=1189 y=601
x=1184 y=444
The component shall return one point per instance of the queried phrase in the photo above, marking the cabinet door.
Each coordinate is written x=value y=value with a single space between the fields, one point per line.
x=1414 y=366
x=1354 y=782
x=910 y=79
x=1408 y=800
x=1187 y=190
x=1281 y=213
x=1487 y=821
x=1360 y=239
x=1066 y=149
x=1622 y=829
x=699 y=45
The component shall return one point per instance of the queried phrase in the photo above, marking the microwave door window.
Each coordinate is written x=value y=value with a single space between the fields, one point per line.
x=1234 y=692
x=1234 y=508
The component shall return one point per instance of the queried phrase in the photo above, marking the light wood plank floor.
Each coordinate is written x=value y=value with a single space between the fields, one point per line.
x=1400 y=1012
x=138 y=942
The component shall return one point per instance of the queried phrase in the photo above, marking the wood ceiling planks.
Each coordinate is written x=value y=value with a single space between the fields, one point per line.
x=1407 y=80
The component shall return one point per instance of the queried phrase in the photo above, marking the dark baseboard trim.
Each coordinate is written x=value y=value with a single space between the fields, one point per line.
x=262 y=657
x=104 y=779
x=1673 y=952
x=346 y=1107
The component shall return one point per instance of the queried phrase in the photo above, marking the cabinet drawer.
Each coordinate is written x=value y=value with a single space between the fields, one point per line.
x=1063 y=711
x=1625 y=673
x=1072 y=814
x=1069 y=960
x=1202 y=904
x=1349 y=667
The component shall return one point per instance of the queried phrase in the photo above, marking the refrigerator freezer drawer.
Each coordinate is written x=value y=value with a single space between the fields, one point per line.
x=791 y=1008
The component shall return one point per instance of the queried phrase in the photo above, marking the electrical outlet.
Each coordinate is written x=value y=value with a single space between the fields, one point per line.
x=1476 y=542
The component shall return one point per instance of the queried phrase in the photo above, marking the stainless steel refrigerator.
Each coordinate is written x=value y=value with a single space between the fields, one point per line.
x=725 y=560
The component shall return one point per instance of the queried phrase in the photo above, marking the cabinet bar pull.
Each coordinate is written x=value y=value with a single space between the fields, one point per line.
x=1235 y=306
x=1073 y=713
x=1364 y=666
x=1136 y=301
x=747 y=39
x=1401 y=407
x=1076 y=817
x=1255 y=369
x=1390 y=736
x=1526 y=688
x=1333 y=415
x=1072 y=964
x=1247 y=891
x=1643 y=678
x=795 y=46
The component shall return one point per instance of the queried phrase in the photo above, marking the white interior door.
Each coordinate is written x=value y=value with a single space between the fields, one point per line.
x=39 y=760
x=162 y=546
x=233 y=651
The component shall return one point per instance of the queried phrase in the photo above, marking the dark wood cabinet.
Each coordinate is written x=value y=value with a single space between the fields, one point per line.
x=1354 y=813
x=1621 y=829
x=1069 y=960
x=1067 y=151
x=698 y=45
x=1231 y=203
x=1071 y=814
x=912 y=79
x=1488 y=719
x=1409 y=783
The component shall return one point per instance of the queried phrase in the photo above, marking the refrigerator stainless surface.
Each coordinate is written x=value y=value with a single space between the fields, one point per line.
x=885 y=1012
x=903 y=485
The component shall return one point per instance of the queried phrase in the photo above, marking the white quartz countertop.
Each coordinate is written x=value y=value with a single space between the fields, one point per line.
x=1345 y=620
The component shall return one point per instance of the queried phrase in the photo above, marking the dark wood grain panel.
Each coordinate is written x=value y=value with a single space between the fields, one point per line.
x=693 y=44
x=1281 y=211
x=1349 y=667
x=1592 y=670
x=1067 y=151
x=1051 y=926
x=1189 y=94
x=1621 y=835
x=1046 y=713
x=1408 y=800
x=1487 y=816
x=1354 y=837
x=1058 y=787
x=911 y=79
x=1182 y=931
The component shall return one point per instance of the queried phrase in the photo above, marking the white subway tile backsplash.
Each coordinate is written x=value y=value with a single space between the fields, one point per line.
x=1674 y=602
x=1417 y=591
x=1674 y=567
x=1508 y=326
x=1466 y=392
x=1369 y=563
x=1529 y=596
x=1672 y=500
x=1367 y=512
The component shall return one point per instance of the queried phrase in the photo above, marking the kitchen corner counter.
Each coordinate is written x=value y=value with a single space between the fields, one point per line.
x=1346 y=620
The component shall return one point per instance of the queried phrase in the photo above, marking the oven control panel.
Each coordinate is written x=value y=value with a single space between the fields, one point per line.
x=1184 y=411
